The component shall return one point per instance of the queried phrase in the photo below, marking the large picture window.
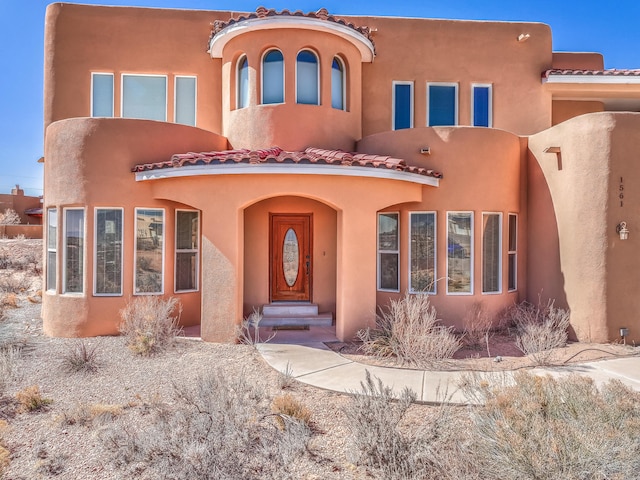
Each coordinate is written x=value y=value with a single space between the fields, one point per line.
x=481 y=108
x=460 y=252
x=388 y=252
x=149 y=273
x=491 y=252
x=402 y=105
x=513 y=252
x=187 y=250
x=185 y=100
x=338 y=85
x=102 y=94
x=144 y=96
x=442 y=104
x=73 y=250
x=307 y=78
x=108 y=251
x=422 y=252
x=52 y=247
x=273 y=77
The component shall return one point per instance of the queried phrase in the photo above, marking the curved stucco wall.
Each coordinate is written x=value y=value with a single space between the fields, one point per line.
x=88 y=164
x=575 y=254
x=482 y=172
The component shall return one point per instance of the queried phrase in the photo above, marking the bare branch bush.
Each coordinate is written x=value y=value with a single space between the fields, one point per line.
x=409 y=331
x=8 y=357
x=14 y=282
x=9 y=217
x=248 y=332
x=541 y=328
x=80 y=358
x=220 y=427
x=150 y=323
x=477 y=327
x=541 y=427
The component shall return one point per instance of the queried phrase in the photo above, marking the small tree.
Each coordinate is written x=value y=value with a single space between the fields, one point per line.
x=10 y=217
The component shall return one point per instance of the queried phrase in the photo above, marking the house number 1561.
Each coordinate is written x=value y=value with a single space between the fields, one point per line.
x=621 y=192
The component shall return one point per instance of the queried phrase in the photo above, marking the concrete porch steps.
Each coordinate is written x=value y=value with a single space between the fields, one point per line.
x=294 y=314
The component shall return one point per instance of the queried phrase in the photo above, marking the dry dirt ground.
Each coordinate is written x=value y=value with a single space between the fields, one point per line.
x=46 y=443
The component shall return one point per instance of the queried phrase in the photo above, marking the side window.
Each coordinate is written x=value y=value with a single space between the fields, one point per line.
x=442 y=104
x=402 y=105
x=242 y=79
x=513 y=252
x=273 y=77
x=187 y=250
x=52 y=247
x=460 y=252
x=338 y=84
x=422 y=252
x=388 y=252
x=307 y=78
x=149 y=263
x=481 y=105
x=185 y=100
x=102 y=94
x=491 y=252
x=107 y=271
x=73 y=250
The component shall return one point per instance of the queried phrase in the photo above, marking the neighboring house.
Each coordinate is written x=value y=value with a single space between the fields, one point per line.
x=28 y=208
x=241 y=160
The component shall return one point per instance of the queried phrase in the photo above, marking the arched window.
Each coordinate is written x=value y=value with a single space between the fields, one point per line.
x=243 y=82
x=273 y=77
x=337 y=84
x=307 y=78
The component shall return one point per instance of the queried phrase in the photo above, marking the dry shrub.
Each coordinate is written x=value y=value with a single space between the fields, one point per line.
x=541 y=328
x=409 y=331
x=286 y=408
x=88 y=415
x=10 y=217
x=477 y=327
x=80 y=358
x=14 y=282
x=541 y=427
x=9 y=300
x=216 y=427
x=8 y=357
x=5 y=455
x=149 y=323
x=248 y=332
x=30 y=399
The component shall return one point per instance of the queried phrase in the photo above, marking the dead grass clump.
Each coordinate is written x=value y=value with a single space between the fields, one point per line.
x=541 y=427
x=216 y=428
x=409 y=331
x=80 y=358
x=149 y=323
x=9 y=300
x=541 y=328
x=286 y=407
x=248 y=332
x=5 y=455
x=477 y=327
x=88 y=415
x=8 y=356
x=14 y=282
x=31 y=400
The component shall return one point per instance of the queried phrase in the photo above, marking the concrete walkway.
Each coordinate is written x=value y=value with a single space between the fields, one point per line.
x=313 y=363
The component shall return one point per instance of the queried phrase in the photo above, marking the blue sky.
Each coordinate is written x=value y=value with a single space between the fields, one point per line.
x=611 y=28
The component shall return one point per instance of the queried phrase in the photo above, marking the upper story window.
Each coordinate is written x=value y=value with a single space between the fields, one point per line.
x=243 y=83
x=442 y=104
x=185 y=100
x=102 y=94
x=273 y=77
x=481 y=105
x=307 y=78
x=338 y=84
x=144 y=96
x=402 y=105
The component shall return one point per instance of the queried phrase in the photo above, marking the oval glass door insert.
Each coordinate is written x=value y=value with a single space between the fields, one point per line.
x=290 y=257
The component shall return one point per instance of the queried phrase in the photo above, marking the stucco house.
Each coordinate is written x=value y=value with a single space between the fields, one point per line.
x=319 y=165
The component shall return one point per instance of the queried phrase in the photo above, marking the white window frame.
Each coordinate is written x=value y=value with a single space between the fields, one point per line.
x=317 y=75
x=113 y=106
x=499 y=291
x=490 y=100
x=457 y=100
x=135 y=248
x=344 y=82
x=95 y=253
x=471 y=252
x=379 y=252
x=393 y=102
x=53 y=250
x=166 y=90
x=284 y=77
x=238 y=84
x=512 y=252
x=64 y=250
x=435 y=251
x=195 y=99
x=186 y=250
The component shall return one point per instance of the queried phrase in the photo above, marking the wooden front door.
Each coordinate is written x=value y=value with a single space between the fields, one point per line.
x=290 y=258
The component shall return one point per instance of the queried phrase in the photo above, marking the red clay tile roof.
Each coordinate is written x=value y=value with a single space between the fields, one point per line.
x=612 y=72
x=277 y=155
x=262 y=12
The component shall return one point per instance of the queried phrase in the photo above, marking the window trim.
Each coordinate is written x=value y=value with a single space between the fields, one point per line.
x=284 y=77
x=135 y=248
x=435 y=252
x=456 y=104
x=512 y=252
x=186 y=250
x=241 y=58
x=471 y=253
x=315 y=54
x=52 y=250
x=379 y=252
x=393 y=102
x=195 y=99
x=490 y=106
x=113 y=86
x=64 y=251
x=344 y=82
x=157 y=75
x=500 y=250
x=95 y=253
